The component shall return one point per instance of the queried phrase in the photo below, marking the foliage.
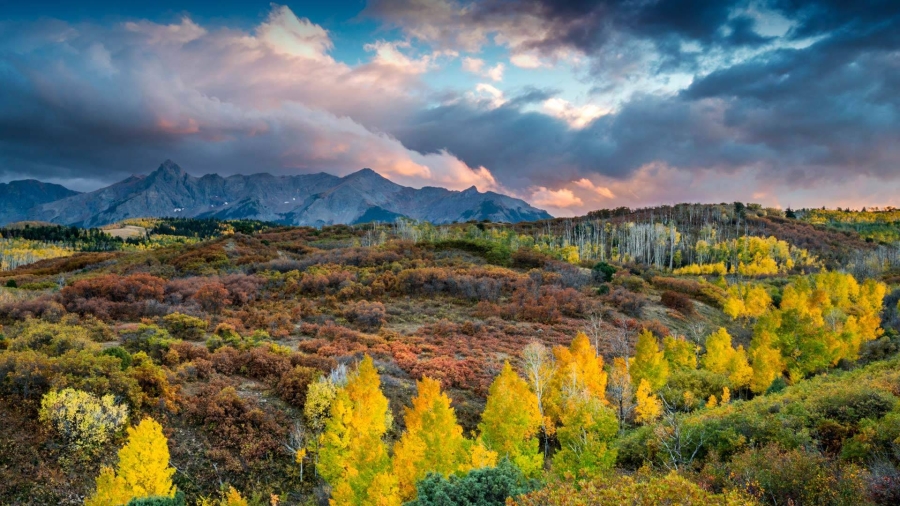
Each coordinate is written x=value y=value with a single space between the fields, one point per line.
x=187 y=327
x=177 y=500
x=354 y=458
x=488 y=486
x=143 y=469
x=433 y=441
x=642 y=490
x=83 y=421
x=603 y=272
x=747 y=300
x=722 y=358
x=511 y=420
x=774 y=475
x=648 y=406
x=649 y=362
x=678 y=302
x=588 y=428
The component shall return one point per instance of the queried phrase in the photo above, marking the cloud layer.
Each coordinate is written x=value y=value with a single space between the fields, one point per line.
x=573 y=105
x=98 y=103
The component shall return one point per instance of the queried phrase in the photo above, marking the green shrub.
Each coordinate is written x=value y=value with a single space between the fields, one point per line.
x=120 y=353
x=12 y=284
x=603 y=272
x=178 y=500
x=480 y=487
x=150 y=339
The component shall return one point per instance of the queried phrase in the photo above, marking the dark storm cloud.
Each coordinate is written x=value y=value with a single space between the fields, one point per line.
x=797 y=112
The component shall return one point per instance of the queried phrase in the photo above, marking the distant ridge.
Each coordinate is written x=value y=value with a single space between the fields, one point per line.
x=312 y=199
x=18 y=197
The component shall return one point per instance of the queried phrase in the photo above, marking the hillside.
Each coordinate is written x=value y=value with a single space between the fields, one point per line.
x=700 y=355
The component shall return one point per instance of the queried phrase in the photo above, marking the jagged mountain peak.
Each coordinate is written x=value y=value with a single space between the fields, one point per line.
x=168 y=170
x=309 y=199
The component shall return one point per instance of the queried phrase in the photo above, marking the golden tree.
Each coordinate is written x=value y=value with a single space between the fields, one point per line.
x=722 y=358
x=354 y=458
x=648 y=407
x=143 y=469
x=511 y=420
x=433 y=441
x=649 y=362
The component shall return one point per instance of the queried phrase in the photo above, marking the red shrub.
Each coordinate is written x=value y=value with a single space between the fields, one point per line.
x=242 y=434
x=678 y=302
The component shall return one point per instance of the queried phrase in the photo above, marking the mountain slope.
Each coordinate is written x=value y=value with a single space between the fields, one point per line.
x=313 y=199
x=18 y=197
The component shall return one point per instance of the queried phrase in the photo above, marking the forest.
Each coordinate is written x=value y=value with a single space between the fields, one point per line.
x=721 y=354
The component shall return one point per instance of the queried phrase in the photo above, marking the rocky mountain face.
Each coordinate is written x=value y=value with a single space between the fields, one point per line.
x=18 y=197
x=313 y=199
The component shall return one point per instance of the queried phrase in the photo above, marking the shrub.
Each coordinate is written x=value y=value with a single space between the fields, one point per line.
x=11 y=284
x=185 y=327
x=628 y=302
x=640 y=490
x=603 y=272
x=293 y=385
x=795 y=477
x=241 y=432
x=368 y=315
x=83 y=421
x=486 y=486
x=151 y=339
x=52 y=339
x=178 y=500
x=120 y=353
x=678 y=302
x=528 y=258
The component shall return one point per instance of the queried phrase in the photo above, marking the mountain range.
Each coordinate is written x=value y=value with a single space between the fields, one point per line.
x=312 y=199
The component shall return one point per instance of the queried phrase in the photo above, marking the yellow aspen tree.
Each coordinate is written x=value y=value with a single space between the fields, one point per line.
x=649 y=406
x=589 y=365
x=511 y=421
x=712 y=402
x=766 y=360
x=649 y=362
x=726 y=395
x=433 y=441
x=722 y=358
x=143 y=469
x=353 y=457
x=620 y=390
x=540 y=368
x=679 y=352
x=580 y=363
x=718 y=351
x=739 y=371
x=588 y=428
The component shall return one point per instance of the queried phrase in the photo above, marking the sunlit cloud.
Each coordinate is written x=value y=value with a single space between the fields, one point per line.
x=562 y=198
x=575 y=116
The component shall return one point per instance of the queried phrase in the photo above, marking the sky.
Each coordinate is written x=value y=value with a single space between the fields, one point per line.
x=571 y=105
